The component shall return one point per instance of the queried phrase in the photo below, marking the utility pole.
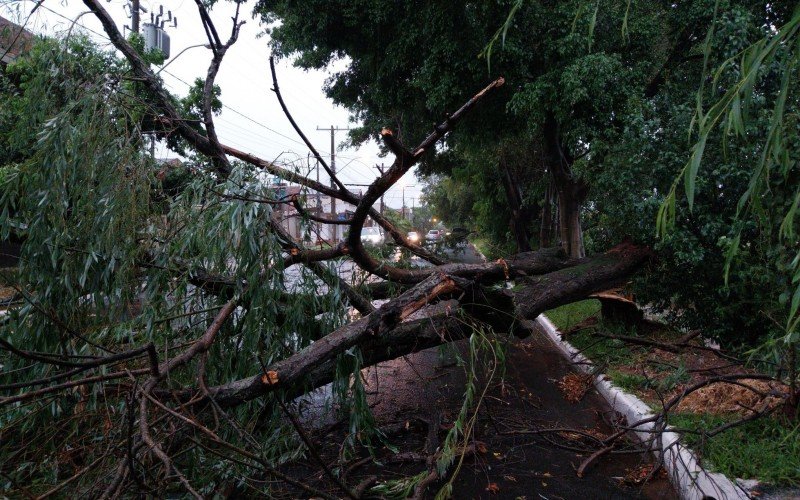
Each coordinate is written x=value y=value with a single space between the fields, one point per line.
x=136 y=8
x=381 y=168
x=319 y=211
x=404 y=199
x=333 y=131
x=135 y=16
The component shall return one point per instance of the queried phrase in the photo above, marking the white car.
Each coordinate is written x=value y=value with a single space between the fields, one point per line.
x=371 y=236
x=413 y=237
x=434 y=235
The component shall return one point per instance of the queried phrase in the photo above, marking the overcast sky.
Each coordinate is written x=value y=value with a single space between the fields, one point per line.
x=252 y=119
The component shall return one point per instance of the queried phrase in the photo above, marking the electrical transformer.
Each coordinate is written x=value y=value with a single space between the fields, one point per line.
x=155 y=38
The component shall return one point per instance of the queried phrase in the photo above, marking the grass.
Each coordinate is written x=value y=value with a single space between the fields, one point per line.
x=766 y=448
x=608 y=351
x=631 y=382
x=565 y=317
x=484 y=246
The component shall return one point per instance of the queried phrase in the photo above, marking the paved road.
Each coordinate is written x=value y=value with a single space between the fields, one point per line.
x=420 y=395
x=463 y=252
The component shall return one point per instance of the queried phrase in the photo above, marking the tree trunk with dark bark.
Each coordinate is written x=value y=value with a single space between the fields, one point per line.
x=519 y=216
x=570 y=191
x=412 y=322
x=547 y=229
x=571 y=194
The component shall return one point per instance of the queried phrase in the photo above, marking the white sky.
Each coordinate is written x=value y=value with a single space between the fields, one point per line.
x=252 y=119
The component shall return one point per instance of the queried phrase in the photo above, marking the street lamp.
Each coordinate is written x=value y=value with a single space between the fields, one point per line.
x=181 y=52
x=404 y=198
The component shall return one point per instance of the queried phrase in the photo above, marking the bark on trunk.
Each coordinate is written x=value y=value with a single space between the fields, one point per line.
x=570 y=191
x=570 y=200
x=546 y=230
x=588 y=276
x=519 y=218
x=392 y=331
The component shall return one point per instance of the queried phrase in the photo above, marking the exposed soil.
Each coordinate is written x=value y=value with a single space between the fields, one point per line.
x=7 y=293
x=528 y=442
x=719 y=399
x=666 y=374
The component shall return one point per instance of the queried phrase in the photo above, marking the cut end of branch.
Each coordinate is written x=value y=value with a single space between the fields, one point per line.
x=386 y=132
x=503 y=263
x=447 y=286
x=270 y=378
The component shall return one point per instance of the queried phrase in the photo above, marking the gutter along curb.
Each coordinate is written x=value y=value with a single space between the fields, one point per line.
x=690 y=480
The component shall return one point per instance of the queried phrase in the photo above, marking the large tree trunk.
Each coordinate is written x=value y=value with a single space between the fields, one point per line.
x=519 y=215
x=547 y=229
x=392 y=331
x=571 y=195
x=570 y=191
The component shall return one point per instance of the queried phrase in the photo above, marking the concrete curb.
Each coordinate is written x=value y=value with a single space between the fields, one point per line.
x=691 y=481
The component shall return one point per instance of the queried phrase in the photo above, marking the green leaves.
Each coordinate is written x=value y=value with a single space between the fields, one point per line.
x=501 y=34
x=747 y=81
x=732 y=107
x=592 y=24
x=690 y=175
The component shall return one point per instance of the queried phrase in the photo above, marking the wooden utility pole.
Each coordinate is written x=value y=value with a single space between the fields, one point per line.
x=404 y=199
x=381 y=168
x=333 y=131
x=135 y=16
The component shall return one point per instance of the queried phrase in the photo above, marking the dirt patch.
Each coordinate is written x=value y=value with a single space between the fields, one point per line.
x=724 y=398
x=658 y=374
x=6 y=293
x=574 y=386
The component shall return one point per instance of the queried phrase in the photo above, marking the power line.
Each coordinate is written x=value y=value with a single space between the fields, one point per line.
x=240 y=113
x=236 y=111
x=103 y=36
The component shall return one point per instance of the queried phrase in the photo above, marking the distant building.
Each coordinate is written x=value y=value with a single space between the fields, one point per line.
x=316 y=204
x=14 y=41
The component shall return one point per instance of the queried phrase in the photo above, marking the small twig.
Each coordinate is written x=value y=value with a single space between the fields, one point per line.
x=362 y=487
x=594 y=456
x=82 y=367
x=66 y=385
x=75 y=476
x=311 y=449
x=266 y=468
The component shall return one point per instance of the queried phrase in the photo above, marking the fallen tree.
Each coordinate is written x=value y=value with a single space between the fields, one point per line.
x=388 y=333
x=185 y=320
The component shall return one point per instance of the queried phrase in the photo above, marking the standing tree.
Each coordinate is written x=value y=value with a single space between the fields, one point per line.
x=575 y=71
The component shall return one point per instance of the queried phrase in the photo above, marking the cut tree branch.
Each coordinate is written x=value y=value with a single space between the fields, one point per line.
x=392 y=331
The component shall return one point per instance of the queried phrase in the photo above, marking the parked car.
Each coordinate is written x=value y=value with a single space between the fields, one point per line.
x=372 y=236
x=434 y=235
x=456 y=236
x=413 y=237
